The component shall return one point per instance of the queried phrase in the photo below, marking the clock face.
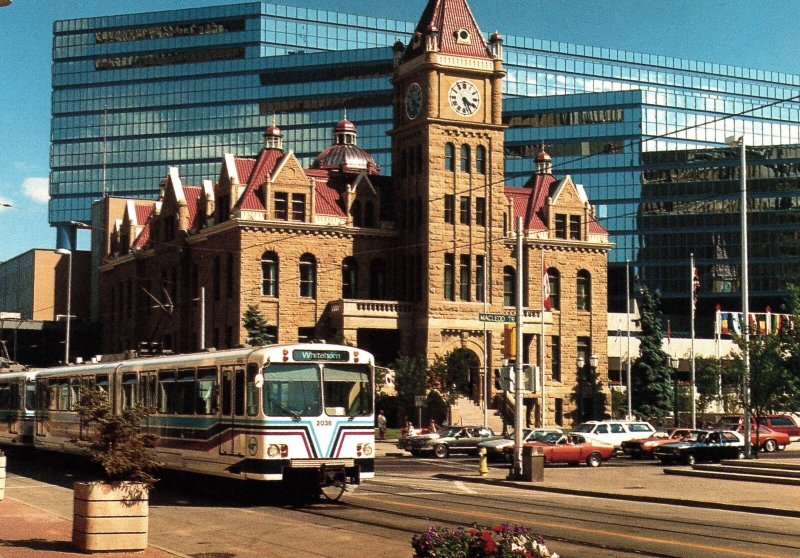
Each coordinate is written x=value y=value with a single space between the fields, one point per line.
x=464 y=98
x=413 y=101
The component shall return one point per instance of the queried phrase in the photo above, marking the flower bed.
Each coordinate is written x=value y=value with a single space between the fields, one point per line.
x=480 y=542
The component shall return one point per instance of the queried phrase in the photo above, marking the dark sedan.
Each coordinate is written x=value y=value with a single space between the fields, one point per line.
x=711 y=445
x=455 y=439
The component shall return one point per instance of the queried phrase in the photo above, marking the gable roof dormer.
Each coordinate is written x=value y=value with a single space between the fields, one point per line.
x=448 y=26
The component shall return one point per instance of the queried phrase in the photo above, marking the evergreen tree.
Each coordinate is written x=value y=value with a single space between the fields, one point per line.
x=256 y=326
x=411 y=379
x=650 y=373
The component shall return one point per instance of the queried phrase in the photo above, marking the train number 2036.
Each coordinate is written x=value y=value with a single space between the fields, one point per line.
x=324 y=422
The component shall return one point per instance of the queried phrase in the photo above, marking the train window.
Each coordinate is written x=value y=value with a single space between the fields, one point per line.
x=74 y=393
x=30 y=396
x=101 y=382
x=128 y=391
x=52 y=395
x=152 y=392
x=347 y=390
x=5 y=397
x=206 y=391
x=240 y=392
x=227 y=389
x=166 y=392
x=184 y=392
x=291 y=390
x=252 y=390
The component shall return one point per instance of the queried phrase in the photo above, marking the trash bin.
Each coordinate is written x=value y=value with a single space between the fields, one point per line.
x=532 y=464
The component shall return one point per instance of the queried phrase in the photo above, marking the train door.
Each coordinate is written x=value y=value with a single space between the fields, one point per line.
x=42 y=414
x=233 y=410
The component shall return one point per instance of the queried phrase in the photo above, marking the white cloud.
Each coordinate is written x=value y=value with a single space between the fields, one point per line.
x=37 y=189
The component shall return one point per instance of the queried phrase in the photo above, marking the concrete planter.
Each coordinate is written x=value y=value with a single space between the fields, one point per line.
x=109 y=517
x=2 y=477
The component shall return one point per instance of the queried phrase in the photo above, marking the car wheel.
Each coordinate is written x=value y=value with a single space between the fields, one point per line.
x=594 y=460
x=770 y=446
x=440 y=451
x=416 y=453
x=690 y=459
x=740 y=455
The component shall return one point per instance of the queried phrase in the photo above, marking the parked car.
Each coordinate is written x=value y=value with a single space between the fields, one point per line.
x=778 y=422
x=768 y=440
x=451 y=440
x=495 y=448
x=407 y=441
x=615 y=432
x=572 y=449
x=644 y=447
x=703 y=445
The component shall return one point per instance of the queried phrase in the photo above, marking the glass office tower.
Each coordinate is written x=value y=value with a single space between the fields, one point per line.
x=133 y=94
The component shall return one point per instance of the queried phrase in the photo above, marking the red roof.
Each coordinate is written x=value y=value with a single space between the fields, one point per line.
x=448 y=17
x=143 y=212
x=254 y=173
x=192 y=194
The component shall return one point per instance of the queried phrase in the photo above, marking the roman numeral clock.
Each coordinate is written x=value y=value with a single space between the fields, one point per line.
x=464 y=97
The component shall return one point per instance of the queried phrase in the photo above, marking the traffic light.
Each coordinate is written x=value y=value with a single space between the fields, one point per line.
x=509 y=341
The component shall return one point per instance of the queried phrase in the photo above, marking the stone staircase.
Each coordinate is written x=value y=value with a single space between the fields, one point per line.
x=769 y=471
x=466 y=411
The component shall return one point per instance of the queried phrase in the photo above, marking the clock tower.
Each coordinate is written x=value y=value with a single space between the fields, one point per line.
x=447 y=152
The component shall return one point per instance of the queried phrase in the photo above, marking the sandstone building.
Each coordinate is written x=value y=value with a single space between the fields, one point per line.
x=405 y=264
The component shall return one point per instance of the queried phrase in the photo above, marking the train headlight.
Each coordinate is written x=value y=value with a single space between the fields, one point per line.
x=273 y=450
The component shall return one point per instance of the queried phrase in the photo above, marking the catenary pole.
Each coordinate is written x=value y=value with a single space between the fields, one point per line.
x=518 y=410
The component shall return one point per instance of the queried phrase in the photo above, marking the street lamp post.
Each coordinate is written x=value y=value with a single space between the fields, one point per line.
x=733 y=140
x=674 y=363
x=594 y=362
x=65 y=252
x=580 y=362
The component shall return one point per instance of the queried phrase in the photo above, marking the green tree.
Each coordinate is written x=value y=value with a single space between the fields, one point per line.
x=256 y=326
x=410 y=379
x=707 y=378
x=450 y=373
x=650 y=373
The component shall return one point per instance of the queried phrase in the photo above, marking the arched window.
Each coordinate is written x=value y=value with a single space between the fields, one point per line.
x=554 y=281
x=509 y=286
x=356 y=214
x=480 y=159
x=369 y=214
x=349 y=278
x=449 y=157
x=465 y=158
x=377 y=279
x=269 y=274
x=308 y=276
x=583 y=290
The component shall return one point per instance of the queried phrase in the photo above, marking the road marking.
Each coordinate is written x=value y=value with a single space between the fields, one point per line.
x=464 y=488
x=495 y=517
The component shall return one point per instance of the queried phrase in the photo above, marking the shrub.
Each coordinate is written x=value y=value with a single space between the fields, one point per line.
x=118 y=444
x=480 y=542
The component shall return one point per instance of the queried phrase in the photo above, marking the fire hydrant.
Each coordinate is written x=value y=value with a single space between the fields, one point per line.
x=483 y=466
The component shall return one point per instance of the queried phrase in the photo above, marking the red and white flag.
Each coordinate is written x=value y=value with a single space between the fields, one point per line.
x=547 y=302
x=695 y=286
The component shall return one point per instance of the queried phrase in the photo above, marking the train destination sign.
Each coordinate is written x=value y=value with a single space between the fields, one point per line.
x=503 y=318
x=303 y=355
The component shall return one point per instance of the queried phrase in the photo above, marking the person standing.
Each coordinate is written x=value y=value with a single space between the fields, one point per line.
x=381 y=426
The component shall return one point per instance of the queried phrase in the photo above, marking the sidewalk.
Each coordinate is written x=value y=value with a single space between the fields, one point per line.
x=29 y=532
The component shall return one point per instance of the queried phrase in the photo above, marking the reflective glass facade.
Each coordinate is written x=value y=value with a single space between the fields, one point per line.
x=144 y=91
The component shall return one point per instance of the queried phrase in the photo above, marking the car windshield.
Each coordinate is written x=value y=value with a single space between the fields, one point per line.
x=585 y=428
x=450 y=432
x=551 y=438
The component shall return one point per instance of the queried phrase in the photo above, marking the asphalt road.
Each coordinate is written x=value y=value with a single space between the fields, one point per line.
x=210 y=518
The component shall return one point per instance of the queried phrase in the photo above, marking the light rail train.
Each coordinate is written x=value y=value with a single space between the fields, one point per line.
x=301 y=413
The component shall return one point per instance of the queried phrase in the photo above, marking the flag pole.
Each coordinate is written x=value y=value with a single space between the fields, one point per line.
x=541 y=344
x=694 y=282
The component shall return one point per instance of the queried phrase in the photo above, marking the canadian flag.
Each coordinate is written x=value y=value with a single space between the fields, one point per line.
x=546 y=300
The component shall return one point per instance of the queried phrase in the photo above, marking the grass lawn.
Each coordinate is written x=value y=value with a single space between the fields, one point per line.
x=391 y=433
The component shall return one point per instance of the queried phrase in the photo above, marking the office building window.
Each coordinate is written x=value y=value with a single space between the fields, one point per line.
x=559 y=404
x=583 y=290
x=466 y=163
x=464 y=210
x=480 y=159
x=575 y=227
x=449 y=157
x=308 y=276
x=449 y=208
x=561 y=225
x=298 y=207
x=480 y=212
x=509 y=286
x=555 y=359
x=465 y=275
x=281 y=206
x=269 y=274
x=554 y=280
x=449 y=277
x=480 y=279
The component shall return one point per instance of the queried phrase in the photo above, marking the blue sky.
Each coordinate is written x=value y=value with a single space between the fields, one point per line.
x=751 y=33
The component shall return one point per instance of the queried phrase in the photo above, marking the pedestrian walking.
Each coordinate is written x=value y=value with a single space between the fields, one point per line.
x=381 y=426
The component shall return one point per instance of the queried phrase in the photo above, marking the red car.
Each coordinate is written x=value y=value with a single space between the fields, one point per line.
x=572 y=449
x=767 y=439
x=644 y=447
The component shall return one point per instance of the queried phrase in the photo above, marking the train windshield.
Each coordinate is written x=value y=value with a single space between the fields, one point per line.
x=348 y=390
x=292 y=390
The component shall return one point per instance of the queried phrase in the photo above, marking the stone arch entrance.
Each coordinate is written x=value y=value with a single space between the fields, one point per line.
x=473 y=387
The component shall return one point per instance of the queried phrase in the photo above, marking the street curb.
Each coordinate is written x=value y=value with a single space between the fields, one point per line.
x=626 y=497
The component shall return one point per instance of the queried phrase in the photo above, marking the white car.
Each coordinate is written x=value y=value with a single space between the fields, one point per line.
x=615 y=432
x=495 y=449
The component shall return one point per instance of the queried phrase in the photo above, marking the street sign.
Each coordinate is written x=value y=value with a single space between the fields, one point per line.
x=419 y=400
x=499 y=318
